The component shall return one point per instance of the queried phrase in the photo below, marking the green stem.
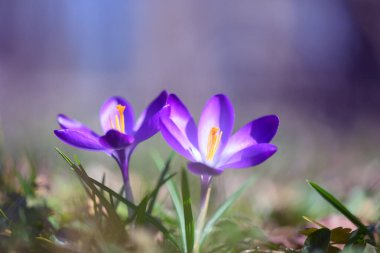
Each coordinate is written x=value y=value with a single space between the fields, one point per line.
x=122 y=157
x=201 y=219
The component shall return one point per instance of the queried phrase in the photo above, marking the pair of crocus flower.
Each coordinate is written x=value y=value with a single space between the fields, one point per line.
x=210 y=148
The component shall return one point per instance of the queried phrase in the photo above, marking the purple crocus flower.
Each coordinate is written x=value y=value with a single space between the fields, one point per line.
x=211 y=148
x=121 y=133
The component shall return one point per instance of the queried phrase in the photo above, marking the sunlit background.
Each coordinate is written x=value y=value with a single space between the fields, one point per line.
x=316 y=64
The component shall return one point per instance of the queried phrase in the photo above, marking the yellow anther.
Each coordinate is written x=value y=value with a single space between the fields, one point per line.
x=119 y=119
x=214 y=138
x=121 y=124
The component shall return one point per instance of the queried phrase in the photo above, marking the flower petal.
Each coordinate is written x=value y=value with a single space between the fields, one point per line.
x=250 y=156
x=203 y=169
x=261 y=130
x=108 y=111
x=148 y=123
x=113 y=139
x=218 y=112
x=175 y=136
x=79 y=138
x=183 y=119
x=69 y=123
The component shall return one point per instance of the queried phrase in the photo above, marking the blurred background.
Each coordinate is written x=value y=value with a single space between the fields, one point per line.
x=316 y=64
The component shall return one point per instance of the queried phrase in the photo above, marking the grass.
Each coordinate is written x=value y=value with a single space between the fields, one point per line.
x=90 y=215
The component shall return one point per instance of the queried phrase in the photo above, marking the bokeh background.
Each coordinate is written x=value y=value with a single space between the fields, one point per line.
x=316 y=64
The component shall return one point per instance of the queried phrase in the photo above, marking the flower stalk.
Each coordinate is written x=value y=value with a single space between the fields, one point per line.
x=205 y=200
x=122 y=157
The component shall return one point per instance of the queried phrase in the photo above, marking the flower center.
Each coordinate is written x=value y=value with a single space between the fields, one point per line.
x=119 y=119
x=213 y=142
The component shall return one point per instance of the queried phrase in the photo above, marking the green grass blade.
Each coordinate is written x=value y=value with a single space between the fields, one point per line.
x=175 y=197
x=222 y=209
x=33 y=171
x=337 y=204
x=187 y=212
x=65 y=157
x=3 y=214
x=103 y=179
x=141 y=210
x=117 y=196
x=121 y=192
x=154 y=193
x=160 y=182
x=111 y=200
x=27 y=187
x=28 y=184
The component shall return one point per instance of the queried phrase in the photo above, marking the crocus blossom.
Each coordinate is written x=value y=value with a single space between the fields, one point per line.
x=121 y=133
x=211 y=147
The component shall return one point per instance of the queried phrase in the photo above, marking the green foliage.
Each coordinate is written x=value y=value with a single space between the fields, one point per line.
x=236 y=234
x=111 y=224
x=21 y=222
x=324 y=239
x=337 y=204
x=105 y=213
x=317 y=241
x=28 y=184
x=339 y=235
x=161 y=181
x=29 y=223
x=222 y=209
x=187 y=213
x=357 y=240
x=176 y=200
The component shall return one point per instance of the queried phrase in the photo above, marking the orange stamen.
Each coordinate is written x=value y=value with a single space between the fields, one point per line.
x=214 y=138
x=119 y=119
x=121 y=109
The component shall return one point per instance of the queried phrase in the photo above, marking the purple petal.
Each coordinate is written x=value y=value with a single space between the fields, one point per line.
x=114 y=139
x=175 y=136
x=79 y=138
x=148 y=123
x=261 y=130
x=218 y=112
x=203 y=169
x=250 y=156
x=108 y=111
x=181 y=116
x=69 y=123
